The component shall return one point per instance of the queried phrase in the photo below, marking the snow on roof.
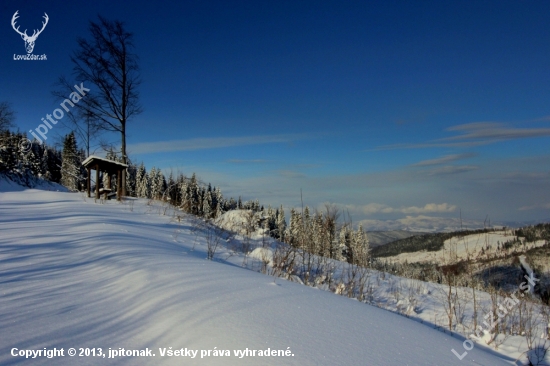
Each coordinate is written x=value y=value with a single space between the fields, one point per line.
x=91 y=158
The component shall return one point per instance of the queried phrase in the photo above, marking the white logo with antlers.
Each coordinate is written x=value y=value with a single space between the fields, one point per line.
x=29 y=41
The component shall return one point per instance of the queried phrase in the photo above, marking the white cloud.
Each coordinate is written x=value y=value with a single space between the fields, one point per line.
x=211 y=143
x=422 y=223
x=430 y=207
x=371 y=208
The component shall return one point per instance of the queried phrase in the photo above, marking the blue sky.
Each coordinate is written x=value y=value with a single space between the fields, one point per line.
x=393 y=110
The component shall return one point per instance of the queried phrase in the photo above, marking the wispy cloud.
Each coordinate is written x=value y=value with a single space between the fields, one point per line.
x=494 y=131
x=544 y=206
x=528 y=175
x=374 y=208
x=444 y=159
x=452 y=169
x=248 y=161
x=433 y=144
x=212 y=143
x=291 y=174
x=476 y=134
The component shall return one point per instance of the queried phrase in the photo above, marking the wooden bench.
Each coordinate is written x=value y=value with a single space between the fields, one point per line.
x=105 y=191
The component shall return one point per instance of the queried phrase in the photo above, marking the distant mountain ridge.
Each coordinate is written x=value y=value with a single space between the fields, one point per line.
x=378 y=238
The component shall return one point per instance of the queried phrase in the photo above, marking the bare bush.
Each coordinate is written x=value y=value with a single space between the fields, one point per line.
x=214 y=236
x=284 y=260
x=536 y=356
x=530 y=324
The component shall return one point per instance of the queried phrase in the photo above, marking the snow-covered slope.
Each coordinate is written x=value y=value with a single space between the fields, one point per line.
x=74 y=273
x=473 y=246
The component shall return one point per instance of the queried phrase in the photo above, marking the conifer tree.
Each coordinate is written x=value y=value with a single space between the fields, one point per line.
x=159 y=185
x=171 y=189
x=141 y=182
x=344 y=241
x=70 y=166
x=281 y=224
x=51 y=163
x=200 y=200
x=218 y=201
x=360 y=246
x=184 y=193
x=194 y=195
x=271 y=221
x=153 y=181
x=207 y=205
x=131 y=179
x=44 y=163
x=179 y=182
x=319 y=236
x=32 y=162
x=294 y=231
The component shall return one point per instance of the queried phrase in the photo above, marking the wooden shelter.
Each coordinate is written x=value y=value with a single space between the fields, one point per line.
x=107 y=166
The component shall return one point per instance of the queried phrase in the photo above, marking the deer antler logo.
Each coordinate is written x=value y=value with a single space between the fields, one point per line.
x=29 y=41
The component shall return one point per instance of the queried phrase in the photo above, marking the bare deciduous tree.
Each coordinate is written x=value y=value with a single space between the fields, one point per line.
x=7 y=115
x=107 y=63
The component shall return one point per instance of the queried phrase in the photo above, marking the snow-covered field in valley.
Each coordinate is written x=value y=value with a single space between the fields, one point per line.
x=473 y=246
x=79 y=274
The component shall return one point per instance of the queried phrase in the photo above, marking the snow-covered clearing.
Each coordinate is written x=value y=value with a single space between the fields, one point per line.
x=74 y=273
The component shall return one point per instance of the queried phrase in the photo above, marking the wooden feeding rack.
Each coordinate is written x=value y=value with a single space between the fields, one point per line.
x=107 y=166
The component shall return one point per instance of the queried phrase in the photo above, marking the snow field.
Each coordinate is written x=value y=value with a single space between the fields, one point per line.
x=74 y=273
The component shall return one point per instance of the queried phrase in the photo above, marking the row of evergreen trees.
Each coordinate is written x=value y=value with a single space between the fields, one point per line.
x=22 y=159
x=318 y=233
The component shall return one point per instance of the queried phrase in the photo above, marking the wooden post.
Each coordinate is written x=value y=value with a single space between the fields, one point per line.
x=119 y=185
x=109 y=182
x=97 y=181
x=88 y=180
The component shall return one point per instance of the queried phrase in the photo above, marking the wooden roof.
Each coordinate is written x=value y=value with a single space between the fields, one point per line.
x=103 y=164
